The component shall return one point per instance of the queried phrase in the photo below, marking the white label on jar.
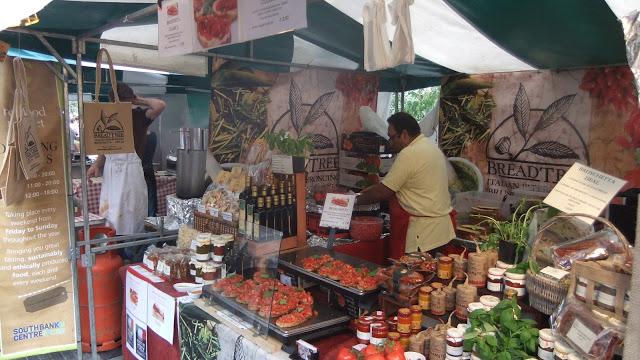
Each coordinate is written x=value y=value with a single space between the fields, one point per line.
x=363 y=335
x=454 y=350
x=544 y=354
x=377 y=341
x=606 y=299
x=202 y=209
x=217 y=258
x=520 y=291
x=494 y=287
x=581 y=335
x=214 y=212
x=557 y=274
x=227 y=216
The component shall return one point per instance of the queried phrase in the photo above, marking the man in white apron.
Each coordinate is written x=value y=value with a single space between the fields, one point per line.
x=123 y=198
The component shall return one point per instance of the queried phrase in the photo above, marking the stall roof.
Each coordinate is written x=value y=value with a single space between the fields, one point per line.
x=450 y=36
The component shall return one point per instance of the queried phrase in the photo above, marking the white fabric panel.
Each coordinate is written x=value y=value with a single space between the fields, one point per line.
x=12 y=14
x=444 y=37
x=384 y=105
x=149 y=59
x=305 y=52
x=622 y=8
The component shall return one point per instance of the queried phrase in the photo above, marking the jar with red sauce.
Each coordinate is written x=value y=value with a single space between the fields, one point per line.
x=379 y=333
x=392 y=323
x=379 y=316
x=404 y=321
x=363 y=331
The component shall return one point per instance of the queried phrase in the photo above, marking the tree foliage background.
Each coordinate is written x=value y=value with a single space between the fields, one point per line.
x=416 y=102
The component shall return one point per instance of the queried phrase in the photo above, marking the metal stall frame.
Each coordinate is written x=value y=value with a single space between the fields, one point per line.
x=70 y=76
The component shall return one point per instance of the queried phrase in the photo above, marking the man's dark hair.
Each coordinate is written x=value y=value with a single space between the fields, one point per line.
x=403 y=121
x=125 y=93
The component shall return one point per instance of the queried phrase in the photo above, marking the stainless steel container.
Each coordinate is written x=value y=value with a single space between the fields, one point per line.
x=191 y=163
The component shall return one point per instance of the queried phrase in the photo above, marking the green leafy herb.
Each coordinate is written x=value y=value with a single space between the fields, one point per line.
x=282 y=302
x=287 y=145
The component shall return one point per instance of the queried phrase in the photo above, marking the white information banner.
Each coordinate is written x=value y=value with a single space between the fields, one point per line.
x=161 y=313
x=584 y=190
x=337 y=211
x=188 y=26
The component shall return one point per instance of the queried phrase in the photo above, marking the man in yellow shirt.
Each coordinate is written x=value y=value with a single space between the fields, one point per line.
x=416 y=188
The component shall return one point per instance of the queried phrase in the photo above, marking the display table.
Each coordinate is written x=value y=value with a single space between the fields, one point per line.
x=166 y=185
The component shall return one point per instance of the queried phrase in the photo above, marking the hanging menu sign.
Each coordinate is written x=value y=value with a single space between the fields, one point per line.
x=37 y=304
x=584 y=190
x=188 y=26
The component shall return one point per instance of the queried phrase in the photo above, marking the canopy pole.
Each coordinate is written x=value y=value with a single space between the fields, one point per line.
x=73 y=254
x=403 y=85
x=55 y=54
x=87 y=257
x=396 y=106
x=125 y=20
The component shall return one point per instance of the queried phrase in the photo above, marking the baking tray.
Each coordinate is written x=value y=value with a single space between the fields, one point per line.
x=292 y=261
x=327 y=317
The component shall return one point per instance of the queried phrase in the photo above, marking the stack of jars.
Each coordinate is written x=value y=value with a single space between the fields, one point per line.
x=206 y=265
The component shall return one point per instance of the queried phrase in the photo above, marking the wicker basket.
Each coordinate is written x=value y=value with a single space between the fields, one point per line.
x=545 y=294
x=214 y=225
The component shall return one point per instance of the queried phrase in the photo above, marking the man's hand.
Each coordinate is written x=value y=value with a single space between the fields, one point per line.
x=93 y=172
x=373 y=194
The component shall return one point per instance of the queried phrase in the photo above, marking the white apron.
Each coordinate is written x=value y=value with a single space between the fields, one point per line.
x=123 y=198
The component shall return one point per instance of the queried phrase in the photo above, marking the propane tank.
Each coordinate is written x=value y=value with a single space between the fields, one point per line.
x=107 y=295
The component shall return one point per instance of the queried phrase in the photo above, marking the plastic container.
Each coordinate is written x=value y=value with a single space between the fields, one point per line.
x=366 y=228
x=516 y=282
x=494 y=280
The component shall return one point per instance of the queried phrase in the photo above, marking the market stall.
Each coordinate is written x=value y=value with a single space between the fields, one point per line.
x=275 y=253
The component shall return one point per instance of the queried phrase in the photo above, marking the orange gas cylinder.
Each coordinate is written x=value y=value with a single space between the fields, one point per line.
x=107 y=295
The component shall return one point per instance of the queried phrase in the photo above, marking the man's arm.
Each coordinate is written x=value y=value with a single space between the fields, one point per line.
x=155 y=106
x=373 y=194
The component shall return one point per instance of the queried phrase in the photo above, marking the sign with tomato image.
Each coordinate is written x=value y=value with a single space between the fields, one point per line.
x=525 y=130
x=187 y=26
x=337 y=211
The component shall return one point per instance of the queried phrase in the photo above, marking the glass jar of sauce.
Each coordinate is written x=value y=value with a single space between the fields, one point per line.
x=416 y=319
x=445 y=267
x=404 y=321
x=424 y=298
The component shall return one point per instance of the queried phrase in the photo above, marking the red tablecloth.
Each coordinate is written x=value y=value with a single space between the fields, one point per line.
x=160 y=349
x=166 y=185
x=157 y=347
x=372 y=251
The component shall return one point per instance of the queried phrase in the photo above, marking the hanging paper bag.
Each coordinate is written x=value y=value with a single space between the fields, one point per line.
x=377 y=51
x=107 y=127
x=28 y=140
x=12 y=181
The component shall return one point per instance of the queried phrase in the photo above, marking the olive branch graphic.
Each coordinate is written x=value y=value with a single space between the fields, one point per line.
x=522 y=119
x=316 y=110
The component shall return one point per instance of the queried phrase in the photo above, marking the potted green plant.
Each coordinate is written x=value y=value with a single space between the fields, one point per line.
x=501 y=333
x=290 y=153
x=512 y=235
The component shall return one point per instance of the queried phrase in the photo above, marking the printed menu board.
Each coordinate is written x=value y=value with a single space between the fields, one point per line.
x=584 y=190
x=188 y=26
x=37 y=304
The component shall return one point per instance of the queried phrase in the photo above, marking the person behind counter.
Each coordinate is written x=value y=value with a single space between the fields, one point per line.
x=416 y=188
x=123 y=197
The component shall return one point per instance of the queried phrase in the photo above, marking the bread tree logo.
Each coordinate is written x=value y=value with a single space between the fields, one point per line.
x=31 y=145
x=534 y=147
x=108 y=130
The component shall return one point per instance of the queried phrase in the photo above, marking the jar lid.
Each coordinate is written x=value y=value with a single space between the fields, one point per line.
x=426 y=289
x=515 y=276
x=455 y=332
x=436 y=285
x=504 y=265
x=203 y=239
x=415 y=308
x=562 y=347
x=378 y=324
x=445 y=259
x=463 y=326
x=547 y=335
x=227 y=237
x=218 y=242
x=497 y=271
x=404 y=311
x=489 y=300
x=475 y=306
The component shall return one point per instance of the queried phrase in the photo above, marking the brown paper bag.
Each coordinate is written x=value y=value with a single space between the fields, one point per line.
x=28 y=140
x=107 y=127
x=12 y=181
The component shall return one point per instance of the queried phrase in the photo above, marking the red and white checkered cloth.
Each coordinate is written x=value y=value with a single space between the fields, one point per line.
x=166 y=185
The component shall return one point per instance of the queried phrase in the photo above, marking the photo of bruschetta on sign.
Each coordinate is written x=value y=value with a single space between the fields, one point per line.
x=213 y=21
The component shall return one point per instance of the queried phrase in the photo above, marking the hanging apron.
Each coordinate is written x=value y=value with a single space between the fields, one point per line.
x=123 y=198
x=400 y=219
